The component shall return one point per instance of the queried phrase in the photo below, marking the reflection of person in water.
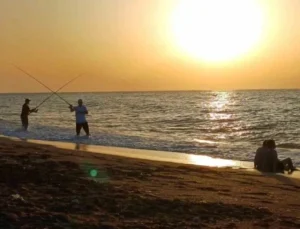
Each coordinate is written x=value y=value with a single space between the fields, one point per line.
x=266 y=159
x=79 y=146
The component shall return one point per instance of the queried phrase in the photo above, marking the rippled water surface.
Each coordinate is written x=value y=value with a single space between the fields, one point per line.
x=224 y=124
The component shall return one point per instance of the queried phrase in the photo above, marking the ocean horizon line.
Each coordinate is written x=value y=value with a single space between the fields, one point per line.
x=153 y=91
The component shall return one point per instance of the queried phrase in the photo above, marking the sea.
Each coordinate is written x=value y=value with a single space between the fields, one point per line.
x=223 y=124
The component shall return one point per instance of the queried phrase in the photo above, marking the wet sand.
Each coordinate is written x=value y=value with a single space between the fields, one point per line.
x=47 y=187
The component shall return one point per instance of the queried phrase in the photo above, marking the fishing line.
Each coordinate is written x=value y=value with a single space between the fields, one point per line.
x=31 y=76
x=58 y=90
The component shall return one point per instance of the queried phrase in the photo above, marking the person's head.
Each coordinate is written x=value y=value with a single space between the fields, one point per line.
x=271 y=144
x=27 y=101
x=265 y=143
x=80 y=102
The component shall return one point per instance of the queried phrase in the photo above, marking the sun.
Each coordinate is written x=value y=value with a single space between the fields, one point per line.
x=217 y=30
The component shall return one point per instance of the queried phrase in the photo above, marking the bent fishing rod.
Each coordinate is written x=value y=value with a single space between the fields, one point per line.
x=26 y=73
x=55 y=93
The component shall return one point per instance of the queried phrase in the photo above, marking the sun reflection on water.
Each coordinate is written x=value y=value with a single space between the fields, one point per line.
x=211 y=162
x=219 y=107
x=220 y=101
x=220 y=113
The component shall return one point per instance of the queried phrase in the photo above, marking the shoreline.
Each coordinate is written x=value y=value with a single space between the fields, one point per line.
x=153 y=155
x=43 y=186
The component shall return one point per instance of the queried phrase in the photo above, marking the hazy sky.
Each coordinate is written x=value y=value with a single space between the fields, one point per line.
x=128 y=45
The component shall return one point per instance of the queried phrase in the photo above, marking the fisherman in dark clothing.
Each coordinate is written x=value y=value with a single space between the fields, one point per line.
x=25 y=112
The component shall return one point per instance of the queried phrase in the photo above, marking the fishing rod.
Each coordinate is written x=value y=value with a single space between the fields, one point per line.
x=41 y=84
x=55 y=93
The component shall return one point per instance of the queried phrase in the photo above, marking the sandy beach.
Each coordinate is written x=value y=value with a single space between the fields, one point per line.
x=47 y=187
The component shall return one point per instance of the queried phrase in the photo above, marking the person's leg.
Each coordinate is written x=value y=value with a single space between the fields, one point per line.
x=288 y=164
x=22 y=121
x=86 y=128
x=78 y=128
x=280 y=167
x=25 y=123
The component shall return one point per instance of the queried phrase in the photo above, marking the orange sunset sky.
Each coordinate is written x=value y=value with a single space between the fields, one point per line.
x=137 y=45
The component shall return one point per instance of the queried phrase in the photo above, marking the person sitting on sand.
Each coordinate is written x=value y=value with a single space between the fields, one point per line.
x=266 y=159
x=26 y=111
x=279 y=165
x=259 y=156
x=80 y=112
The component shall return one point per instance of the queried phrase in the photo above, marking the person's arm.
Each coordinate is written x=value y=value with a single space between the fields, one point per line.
x=275 y=161
x=256 y=160
x=29 y=111
x=85 y=111
x=71 y=108
x=34 y=110
x=274 y=167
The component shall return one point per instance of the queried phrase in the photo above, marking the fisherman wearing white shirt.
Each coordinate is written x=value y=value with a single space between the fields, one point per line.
x=80 y=112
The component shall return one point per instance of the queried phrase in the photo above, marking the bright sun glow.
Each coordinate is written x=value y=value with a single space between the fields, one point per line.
x=217 y=30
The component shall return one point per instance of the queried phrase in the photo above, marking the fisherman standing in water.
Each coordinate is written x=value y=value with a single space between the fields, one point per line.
x=25 y=112
x=80 y=112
